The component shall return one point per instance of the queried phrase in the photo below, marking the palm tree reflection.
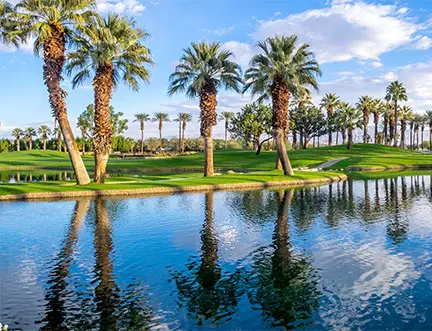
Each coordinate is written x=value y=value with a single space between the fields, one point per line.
x=282 y=283
x=208 y=295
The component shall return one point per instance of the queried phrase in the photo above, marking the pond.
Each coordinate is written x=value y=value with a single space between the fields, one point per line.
x=354 y=255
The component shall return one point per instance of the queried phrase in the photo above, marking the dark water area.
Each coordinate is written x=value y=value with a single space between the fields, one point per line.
x=352 y=255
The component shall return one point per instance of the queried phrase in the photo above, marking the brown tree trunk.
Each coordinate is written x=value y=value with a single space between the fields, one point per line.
x=208 y=118
x=403 y=129
x=350 y=139
x=83 y=142
x=18 y=142
x=365 y=128
x=226 y=134
x=395 y=125
x=183 y=137
x=142 y=138
x=44 y=144
x=31 y=144
x=180 y=136
x=102 y=140
x=280 y=99
x=54 y=58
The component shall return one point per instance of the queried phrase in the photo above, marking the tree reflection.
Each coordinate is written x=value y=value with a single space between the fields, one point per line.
x=207 y=293
x=283 y=283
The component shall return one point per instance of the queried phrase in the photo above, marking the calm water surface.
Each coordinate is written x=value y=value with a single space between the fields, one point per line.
x=354 y=255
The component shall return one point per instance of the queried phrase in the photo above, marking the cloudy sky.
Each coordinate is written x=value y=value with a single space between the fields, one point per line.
x=361 y=46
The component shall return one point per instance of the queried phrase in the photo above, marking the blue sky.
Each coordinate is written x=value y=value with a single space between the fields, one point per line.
x=361 y=46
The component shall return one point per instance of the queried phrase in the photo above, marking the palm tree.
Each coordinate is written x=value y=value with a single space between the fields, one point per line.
x=203 y=70
x=365 y=104
x=417 y=123
x=226 y=116
x=351 y=119
x=17 y=133
x=283 y=68
x=44 y=131
x=57 y=132
x=5 y=24
x=406 y=115
x=52 y=23
x=376 y=107
x=110 y=51
x=412 y=125
x=330 y=102
x=185 y=119
x=180 y=122
x=422 y=127
x=141 y=119
x=428 y=117
x=85 y=125
x=395 y=92
x=160 y=117
x=29 y=133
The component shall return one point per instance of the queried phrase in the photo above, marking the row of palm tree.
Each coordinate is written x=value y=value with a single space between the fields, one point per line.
x=44 y=132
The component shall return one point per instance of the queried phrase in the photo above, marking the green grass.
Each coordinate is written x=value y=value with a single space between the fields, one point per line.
x=161 y=180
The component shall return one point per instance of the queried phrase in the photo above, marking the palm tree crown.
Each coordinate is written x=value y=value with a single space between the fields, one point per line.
x=142 y=118
x=17 y=133
x=44 y=131
x=330 y=102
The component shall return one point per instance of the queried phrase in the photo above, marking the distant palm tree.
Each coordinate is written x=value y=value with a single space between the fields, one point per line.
x=417 y=124
x=422 y=127
x=111 y=51
x=29 y=133
x=160 y=118
x=283 y=68
x=141 y=119
x=377 y=105
x=412 y=125
x=52 y=23
x=428 y=117
x=57 y=132
x=351 y=118
x=395 y=92
x=203 y=70
x=365 y=104
x=405 y=116
x=330 y=102
x=44 y=131
x=17 y=133
x=388 y=115
x=85 y=125
x=226 y=116
x=185 y=119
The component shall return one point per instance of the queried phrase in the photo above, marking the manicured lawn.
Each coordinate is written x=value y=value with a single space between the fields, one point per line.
x=369 y=156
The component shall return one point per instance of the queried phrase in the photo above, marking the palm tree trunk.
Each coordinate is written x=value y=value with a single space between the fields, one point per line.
x=44 y=144
x=350 y=139
x=142 y=138
x=83 y=142
x=180 y=135
x=160 y=137
x=395 y=125
x=226 y=134
x=402 y=142
x=422 y=139
x=183 y=137
x=102 y=139
x=365 y=133
x=18 y=143
x=30 y=144
x=376 y=131
x=208 y=117
x=54 y=58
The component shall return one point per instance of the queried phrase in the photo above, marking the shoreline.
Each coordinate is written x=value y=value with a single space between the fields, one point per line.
x=170 y=190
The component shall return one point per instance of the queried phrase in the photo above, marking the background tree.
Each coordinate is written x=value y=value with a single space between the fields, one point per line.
x=111 y=51
x=226 y=116
x=44 y=131
x=365 y=104
x=422 y=128
x=85 y=125
x=185 y=119
x=141 y=119
x=330 y=102
x=58 y=133
x=376 y=107
x=283 y=68
x=417 y=124
x=17 y=133
x=160 y=118
x=29 y=133
x=180 y=122
x=310 y=122
x=428 y=117
x=395 y=92
x=251 y=123
x=351 y=118
x=52 y=24
x=405 y=117
x=204 y=68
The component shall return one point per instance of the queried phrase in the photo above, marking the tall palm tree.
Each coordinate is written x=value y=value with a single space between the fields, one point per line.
x=330 y=102
x=52 y=23
x=185 y=119
x=412 y=125
x=422 y=128
x=428 y=117
x=351 y=118
x=417 y=123
x=57 y=132
x=44 y=131
x=365 y=104
x=85 y=125
x=226 y=116
x=180 y=122
x=204 y=69
x=29 y=133
x=17 y=133
x=160 y=118
x=395 y=92
x=283 y=68
x=110 y=51
x=376 y=107
x=405 y=116
x=141 y=119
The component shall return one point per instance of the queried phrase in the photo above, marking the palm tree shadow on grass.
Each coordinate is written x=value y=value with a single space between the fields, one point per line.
x=208 y=295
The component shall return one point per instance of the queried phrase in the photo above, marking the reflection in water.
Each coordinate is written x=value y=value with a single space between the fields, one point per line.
x=282 y=283
x=351 y=255
x=208 y=296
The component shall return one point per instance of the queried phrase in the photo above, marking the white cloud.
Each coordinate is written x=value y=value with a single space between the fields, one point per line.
x=423 y=43
x=220 y=31
x=376 y=64
x=348 y=30
x=120 y=6
x=26 y=47
x=242 y=52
